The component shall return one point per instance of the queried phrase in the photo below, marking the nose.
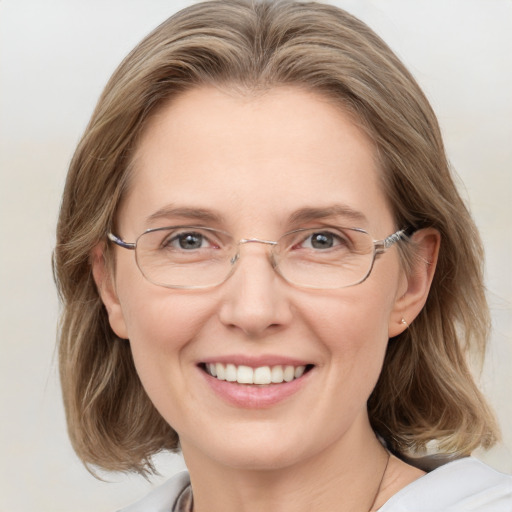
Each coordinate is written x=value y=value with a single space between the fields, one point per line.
x=255 y=298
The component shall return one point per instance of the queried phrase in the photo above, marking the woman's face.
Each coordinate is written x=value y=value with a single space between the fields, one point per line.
x=248 y=164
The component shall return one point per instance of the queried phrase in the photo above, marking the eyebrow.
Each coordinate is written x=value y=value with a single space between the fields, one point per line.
x=171 y=212
x=336 y=210
x=300 y=216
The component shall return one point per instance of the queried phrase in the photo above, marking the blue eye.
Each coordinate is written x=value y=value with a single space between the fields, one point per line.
x=322 y=240
x=190 y=241
x=187 y=241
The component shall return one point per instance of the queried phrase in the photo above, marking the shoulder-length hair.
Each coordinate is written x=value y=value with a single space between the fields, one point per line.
x=426 y=391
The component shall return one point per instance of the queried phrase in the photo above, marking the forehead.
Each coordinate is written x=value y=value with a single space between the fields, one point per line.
x=259 y=157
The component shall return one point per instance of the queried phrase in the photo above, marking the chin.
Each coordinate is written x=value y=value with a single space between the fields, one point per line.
x=253 y=447
x=259 y=458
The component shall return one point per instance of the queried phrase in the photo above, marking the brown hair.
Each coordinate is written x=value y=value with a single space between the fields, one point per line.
x=425 y=391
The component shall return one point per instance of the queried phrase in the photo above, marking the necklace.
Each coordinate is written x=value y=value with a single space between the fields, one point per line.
x=185 y=502
x=380 y=483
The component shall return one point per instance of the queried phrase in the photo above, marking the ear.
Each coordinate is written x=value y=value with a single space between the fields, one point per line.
x=105 y=283
x=407 y=307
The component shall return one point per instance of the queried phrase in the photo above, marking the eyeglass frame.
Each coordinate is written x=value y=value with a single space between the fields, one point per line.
x=379 y=247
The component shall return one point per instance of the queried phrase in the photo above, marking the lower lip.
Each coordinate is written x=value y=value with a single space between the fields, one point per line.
x=255 y=396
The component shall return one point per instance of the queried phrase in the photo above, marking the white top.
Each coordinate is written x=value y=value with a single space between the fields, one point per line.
x=464 y=485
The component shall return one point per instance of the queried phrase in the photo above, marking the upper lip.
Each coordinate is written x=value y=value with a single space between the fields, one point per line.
x=256 y=361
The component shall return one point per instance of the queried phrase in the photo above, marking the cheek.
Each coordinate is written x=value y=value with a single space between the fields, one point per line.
x=162 y=325
x=353 y=329
x=164 y=322
x=162 y=331
x=156 y=318
x=350 y=320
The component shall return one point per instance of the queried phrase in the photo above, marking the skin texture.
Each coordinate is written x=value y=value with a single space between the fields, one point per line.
x=254 y=161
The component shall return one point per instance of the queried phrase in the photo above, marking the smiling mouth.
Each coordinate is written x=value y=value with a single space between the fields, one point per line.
x=262 y=375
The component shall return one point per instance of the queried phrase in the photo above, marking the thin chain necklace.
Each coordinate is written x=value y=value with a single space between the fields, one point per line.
x=380 y=483
x=186 y=503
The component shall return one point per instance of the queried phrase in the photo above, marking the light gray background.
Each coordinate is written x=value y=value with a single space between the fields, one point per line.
x=55 y=57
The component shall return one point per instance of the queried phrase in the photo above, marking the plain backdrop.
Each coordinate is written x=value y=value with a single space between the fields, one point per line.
x=55 y=57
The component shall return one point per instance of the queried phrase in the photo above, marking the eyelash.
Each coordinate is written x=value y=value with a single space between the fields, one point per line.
x=169 y=241
x=337 y=240
x=176 y=241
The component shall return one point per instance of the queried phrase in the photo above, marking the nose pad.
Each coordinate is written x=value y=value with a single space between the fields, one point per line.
x=254 y=295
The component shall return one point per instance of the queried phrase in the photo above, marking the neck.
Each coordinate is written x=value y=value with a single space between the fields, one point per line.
x=345 y=477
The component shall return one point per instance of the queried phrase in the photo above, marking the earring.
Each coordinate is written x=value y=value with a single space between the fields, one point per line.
x=404 y=322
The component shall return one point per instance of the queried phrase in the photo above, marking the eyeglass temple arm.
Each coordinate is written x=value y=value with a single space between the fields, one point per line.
x=120 y=242
x=382 y=245
x=392 y=239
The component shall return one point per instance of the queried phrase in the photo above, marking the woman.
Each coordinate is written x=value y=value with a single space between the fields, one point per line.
x=264 y=263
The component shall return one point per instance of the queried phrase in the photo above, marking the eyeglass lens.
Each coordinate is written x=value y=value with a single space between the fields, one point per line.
x=199 y=257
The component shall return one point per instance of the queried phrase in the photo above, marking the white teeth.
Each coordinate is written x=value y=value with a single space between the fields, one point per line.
x=245 y=375
x=231 y=372
x=299 y=371
x=277 y=374
x=221 y=372
x=261 y=375
x=289 y=373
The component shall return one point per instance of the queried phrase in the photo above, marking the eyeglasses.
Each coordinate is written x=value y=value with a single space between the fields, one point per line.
x=193 y=257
